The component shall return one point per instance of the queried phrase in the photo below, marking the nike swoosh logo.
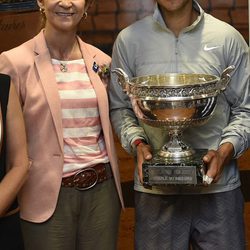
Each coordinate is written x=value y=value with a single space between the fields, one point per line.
x=207 y=48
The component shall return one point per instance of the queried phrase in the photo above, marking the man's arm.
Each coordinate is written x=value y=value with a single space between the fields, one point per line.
x=235 y=136
x=123 y=118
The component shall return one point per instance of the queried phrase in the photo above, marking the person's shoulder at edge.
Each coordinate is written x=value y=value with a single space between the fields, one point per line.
x=136 y=31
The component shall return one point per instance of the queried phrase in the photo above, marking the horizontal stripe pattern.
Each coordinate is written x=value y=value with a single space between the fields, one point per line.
x=84 y=144
x=77 y=94
x=80 y=132
x=79 y=113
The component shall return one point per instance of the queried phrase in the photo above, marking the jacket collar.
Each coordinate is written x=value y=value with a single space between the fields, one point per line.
x=157 y=16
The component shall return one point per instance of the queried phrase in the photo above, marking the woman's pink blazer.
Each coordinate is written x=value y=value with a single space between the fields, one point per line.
x=29 y=66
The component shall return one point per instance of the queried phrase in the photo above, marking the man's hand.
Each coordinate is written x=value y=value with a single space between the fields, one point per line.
x=143 y=153
x=216 y=160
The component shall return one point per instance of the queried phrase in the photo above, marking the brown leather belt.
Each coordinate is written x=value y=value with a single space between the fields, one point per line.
x=88 y=177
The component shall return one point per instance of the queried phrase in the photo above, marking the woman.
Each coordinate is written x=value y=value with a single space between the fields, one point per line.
x=72 y=199
x=13 y=164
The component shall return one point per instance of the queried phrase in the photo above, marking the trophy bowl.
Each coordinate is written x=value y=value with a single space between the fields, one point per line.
x=174 y=101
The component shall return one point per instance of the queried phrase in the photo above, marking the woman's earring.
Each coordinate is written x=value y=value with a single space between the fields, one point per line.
x=41 y=10
x=85 y=15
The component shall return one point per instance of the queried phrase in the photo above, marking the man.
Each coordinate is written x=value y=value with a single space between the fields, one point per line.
x=181 y=38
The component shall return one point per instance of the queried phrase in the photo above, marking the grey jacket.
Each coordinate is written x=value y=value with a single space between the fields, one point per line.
x=207 y=46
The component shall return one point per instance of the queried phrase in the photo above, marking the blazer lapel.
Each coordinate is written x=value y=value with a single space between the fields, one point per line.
x=48 y=81
x=47 y=77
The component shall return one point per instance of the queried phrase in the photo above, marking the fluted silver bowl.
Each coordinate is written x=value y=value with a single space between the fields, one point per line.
x=174 y=101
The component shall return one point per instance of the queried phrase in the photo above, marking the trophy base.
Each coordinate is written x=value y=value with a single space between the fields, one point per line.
x=183 y=171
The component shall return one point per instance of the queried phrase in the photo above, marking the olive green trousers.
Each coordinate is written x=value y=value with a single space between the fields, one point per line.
x=83 y=220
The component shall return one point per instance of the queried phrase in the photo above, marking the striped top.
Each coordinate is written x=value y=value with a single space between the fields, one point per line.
x=84 y=144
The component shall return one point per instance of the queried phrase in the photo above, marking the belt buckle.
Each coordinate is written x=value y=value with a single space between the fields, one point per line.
x=83 y=171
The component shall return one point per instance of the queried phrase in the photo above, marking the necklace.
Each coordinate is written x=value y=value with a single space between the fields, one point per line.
x=63 y=64
x=63 y=67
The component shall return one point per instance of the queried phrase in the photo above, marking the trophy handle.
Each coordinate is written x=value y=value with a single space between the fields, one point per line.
x=225 y=78
x=123 y=79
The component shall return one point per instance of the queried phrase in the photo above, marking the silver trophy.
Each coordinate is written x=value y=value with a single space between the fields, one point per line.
x=174 y=102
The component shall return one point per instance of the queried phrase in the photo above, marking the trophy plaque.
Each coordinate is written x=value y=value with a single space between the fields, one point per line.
x=174 y=102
